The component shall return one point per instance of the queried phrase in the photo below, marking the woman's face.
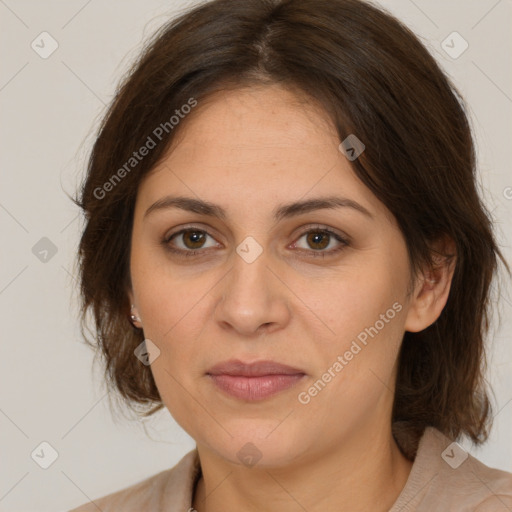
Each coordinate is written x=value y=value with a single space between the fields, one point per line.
x=268 y=283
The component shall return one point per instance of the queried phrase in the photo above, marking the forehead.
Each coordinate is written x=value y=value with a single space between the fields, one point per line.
x=269 y=122
x=265 y=112
x=254 y=146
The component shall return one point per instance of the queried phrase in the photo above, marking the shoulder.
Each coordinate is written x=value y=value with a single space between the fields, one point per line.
x=136 y=496
x=446 y=477
x=490 y=488
x=168 y=488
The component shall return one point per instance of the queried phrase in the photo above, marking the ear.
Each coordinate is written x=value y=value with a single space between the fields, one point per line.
x=133 y=313
x=432 y=287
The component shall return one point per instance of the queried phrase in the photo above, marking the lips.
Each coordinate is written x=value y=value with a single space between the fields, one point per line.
x=257 y=369
x=253 y=381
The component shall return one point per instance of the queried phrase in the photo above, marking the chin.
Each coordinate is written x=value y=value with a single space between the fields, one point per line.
x=257 y=443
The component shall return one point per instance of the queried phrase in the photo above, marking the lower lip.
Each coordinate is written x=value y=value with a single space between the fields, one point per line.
x=255 y=388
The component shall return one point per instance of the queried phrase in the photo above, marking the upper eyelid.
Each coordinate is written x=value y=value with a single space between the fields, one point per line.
x=189 y=228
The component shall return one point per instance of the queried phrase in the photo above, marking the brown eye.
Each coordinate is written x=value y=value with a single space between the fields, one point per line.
x=319 y=239
x=193 y=239
x=188 y=242
x=192 y=242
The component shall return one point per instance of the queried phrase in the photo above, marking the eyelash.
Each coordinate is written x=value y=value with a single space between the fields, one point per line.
x=317 y=229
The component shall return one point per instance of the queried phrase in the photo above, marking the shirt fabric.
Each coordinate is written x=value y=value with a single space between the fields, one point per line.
x=443 y=478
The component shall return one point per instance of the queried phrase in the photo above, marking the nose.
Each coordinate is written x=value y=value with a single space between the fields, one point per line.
x=253 y=300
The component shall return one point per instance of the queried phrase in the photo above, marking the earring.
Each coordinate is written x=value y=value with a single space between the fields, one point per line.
x=134 y=317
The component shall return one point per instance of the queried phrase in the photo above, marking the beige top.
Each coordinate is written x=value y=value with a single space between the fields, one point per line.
x=443 y=478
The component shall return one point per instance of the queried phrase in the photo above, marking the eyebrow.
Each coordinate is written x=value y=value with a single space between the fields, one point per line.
x=283 y=211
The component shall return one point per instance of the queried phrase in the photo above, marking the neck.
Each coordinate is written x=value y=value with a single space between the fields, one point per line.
x=366 y=472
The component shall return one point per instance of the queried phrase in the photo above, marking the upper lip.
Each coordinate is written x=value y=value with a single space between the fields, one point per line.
x=256 y=369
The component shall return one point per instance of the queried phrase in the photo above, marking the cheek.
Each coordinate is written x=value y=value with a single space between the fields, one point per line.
x=173 y=312
x=172 y=308
x=355 y=299
x=365 y=311
x=163 y=293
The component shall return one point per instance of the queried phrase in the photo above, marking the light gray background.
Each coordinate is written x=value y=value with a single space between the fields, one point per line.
x=49 y=110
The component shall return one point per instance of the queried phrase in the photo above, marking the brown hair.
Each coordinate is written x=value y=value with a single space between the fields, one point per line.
x=374 y=79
